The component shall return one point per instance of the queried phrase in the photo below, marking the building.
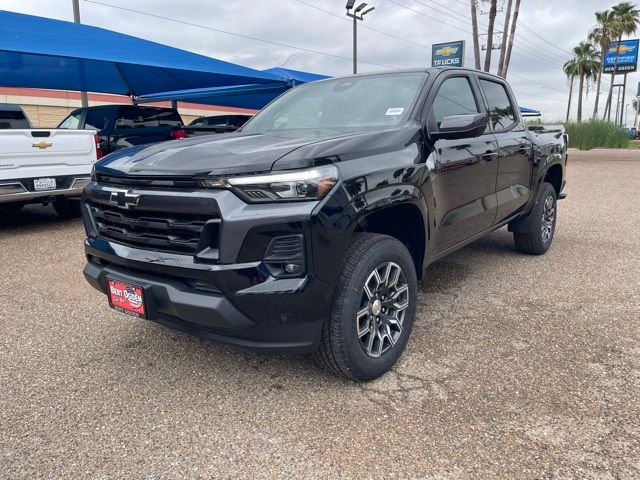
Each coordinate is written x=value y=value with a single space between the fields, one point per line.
x=47 y=108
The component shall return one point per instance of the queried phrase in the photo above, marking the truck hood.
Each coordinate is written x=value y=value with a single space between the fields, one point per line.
x=239 y=152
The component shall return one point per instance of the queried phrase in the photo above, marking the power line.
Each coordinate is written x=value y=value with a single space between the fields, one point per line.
x=362 y=25
x=226 y=32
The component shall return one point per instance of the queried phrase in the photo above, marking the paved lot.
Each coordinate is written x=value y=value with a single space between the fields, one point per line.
x=518 y=367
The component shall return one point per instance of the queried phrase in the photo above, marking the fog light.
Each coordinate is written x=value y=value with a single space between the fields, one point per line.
x=292 y=268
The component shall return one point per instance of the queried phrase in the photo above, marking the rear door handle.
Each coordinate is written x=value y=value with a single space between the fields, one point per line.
x=488 y=156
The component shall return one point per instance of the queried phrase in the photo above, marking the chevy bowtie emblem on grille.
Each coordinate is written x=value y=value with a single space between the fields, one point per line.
x=42 y=145
x=124 y=198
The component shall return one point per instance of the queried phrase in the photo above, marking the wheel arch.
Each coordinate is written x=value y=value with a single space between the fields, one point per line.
x=403 y=221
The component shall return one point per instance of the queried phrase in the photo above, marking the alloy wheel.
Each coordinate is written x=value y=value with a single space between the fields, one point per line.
x=548 y=216
x=385 y=298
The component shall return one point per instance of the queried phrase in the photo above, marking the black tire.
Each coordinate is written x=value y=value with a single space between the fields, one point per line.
x=342 y=351
x=534 y=240
x=12 y=207
x=67 y=207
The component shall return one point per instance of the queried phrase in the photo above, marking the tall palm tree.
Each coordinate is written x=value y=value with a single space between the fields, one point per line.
x=626 y=18
x=571 y=70
x=587 y=59
x=601 y=35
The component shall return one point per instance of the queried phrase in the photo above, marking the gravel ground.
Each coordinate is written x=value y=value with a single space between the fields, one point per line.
x=518 y=367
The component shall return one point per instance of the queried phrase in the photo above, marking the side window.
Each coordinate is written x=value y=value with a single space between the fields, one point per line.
x=500 y=109
x=96 y=119
x=454 y=97
x=72 y=121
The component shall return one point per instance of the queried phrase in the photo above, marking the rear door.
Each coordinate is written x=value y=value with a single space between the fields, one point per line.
x=464 y=169
x=515 y=154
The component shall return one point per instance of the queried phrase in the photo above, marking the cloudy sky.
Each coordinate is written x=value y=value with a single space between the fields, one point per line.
x=313 y=35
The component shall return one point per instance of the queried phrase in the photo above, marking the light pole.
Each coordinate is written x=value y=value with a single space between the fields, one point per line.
x=76 y=18
x=356 y=13
x=626 y=114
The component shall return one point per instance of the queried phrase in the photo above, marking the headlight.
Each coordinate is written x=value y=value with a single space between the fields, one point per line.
x=311 y=184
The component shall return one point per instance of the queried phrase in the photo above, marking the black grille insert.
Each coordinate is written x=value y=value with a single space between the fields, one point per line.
x=172 y=232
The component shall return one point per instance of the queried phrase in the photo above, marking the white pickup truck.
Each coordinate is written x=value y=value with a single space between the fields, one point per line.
x=43 y=165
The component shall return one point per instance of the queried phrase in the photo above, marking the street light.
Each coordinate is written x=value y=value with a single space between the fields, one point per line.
x=356 y=13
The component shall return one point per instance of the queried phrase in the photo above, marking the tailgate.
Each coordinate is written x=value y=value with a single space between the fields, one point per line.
x=30 y=153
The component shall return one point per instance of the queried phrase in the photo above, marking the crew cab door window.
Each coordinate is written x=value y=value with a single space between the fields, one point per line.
x=501 y=111
x=454 y=97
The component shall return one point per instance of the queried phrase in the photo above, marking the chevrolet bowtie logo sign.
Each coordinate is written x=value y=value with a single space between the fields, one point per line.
x=42 y=145
x=124 y=198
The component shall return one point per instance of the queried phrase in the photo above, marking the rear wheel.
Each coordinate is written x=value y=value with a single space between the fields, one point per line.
x=373 y=309
x=540 y=224
x=67 y=207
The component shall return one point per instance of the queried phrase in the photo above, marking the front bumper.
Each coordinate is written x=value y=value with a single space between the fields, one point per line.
x=17 y=191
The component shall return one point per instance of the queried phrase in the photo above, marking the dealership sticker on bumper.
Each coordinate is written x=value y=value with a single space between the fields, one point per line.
x=126 y=298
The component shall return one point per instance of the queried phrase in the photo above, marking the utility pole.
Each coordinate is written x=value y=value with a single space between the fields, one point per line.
x=512 y=35
x=492 y=20
x=356 y=13
x=474 y=26
x=76 y=19
x=505 y=34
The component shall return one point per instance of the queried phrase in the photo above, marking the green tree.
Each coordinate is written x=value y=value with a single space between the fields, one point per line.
x=601 y=35
x=626 y=18
x=587 y=60
x=571 y=70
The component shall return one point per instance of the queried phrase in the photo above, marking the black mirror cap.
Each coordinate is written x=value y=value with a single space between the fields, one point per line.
x=461 y=126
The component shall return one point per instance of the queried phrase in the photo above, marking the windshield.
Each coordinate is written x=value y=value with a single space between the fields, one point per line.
x=347 y=103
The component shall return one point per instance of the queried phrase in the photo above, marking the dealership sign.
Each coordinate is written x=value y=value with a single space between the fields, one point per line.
x=448 y=54
x=623 y=60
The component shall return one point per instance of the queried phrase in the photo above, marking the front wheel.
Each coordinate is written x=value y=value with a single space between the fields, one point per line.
x=373 y=309
x=540 y=224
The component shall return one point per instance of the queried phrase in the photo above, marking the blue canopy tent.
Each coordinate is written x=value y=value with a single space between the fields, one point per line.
x=39 y=52
x=251 y=96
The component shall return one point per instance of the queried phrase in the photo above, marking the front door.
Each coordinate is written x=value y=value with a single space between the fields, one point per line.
x=464 y=169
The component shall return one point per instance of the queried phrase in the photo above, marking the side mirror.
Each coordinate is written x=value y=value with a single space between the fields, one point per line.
x=461 y=126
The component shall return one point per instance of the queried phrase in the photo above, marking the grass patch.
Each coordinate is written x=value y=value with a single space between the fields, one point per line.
x=596 y=133
x=634 y=144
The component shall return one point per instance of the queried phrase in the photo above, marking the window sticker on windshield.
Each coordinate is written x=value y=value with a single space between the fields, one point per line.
x=394 y=111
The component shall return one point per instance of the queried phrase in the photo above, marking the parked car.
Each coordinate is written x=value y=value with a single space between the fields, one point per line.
x=309 y=228
x=123 y=126
x=216 y=124
x=43 y=165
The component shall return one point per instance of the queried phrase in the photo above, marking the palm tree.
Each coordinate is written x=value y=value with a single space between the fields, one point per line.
x=571 y=70
x=626 y=18
x=587 y=60
x=601 y=36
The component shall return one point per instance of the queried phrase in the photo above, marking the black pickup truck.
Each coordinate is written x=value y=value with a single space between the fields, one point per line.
x=308 y=229
x=124 y=126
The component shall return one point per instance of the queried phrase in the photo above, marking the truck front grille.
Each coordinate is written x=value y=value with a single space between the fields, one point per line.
x=179 y=233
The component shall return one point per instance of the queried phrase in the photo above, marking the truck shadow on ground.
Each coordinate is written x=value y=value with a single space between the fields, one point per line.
x=31 y=217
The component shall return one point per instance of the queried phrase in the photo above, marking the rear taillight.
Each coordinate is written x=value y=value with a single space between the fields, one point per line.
x=99 y=153
x=178 y=134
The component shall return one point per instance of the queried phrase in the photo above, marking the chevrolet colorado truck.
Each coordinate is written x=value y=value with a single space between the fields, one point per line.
x=43 y=165
x=308 y=229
